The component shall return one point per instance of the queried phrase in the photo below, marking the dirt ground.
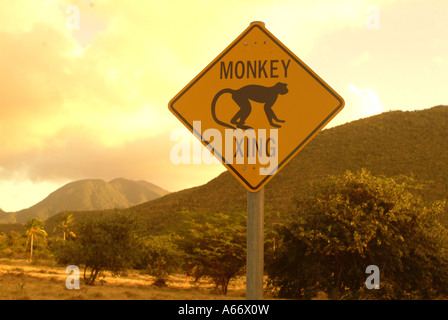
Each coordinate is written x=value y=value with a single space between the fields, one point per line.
x=21 y=280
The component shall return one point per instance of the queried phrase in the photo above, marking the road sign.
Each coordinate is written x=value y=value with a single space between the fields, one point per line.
x=256 y=106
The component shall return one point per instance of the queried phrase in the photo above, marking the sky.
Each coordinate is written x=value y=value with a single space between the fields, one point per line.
x=85 y=84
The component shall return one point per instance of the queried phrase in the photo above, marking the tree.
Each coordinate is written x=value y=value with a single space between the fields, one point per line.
x=161 y=257
x=34 y=230
x=65 y=225
x=216 y=246
x=344 y=224
x=102 y=244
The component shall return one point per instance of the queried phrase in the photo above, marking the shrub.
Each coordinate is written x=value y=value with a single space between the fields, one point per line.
x=161 y=257
x=345 y=223
x=215 y=246
x=101 y=244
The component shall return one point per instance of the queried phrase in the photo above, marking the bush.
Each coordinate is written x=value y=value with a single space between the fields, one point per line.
x=345 y=223
x=102 y=244
x=7 y=253
x=161 y=257
x=215 y=246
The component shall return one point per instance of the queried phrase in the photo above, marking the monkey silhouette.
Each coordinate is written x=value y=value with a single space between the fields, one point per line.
x=242 y=97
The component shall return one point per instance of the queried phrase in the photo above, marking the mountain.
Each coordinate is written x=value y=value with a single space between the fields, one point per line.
x=412 y=143
x=89 y=194
x=6 y=217
x=137 y=192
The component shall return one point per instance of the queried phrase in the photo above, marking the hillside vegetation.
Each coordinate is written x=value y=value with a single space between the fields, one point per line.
x=412 y=143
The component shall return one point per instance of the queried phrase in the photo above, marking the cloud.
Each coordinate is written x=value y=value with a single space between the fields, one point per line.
x=115 y=75
x=74 y=157
x=92 y=103
x=443 y=62
x=359 y=103
x=366 y=99
x=23 y=193
x=362 y=58
x=52 y=83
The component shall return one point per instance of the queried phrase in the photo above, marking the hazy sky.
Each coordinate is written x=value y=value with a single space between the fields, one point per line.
x=93 y=102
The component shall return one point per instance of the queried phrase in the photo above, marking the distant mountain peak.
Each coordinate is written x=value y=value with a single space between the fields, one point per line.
x=89 y=194
x=116 y=180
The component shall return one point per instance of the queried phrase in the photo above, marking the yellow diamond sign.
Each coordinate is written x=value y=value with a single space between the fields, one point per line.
x=256 y=106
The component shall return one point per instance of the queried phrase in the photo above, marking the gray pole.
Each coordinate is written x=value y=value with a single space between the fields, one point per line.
x=255 y=245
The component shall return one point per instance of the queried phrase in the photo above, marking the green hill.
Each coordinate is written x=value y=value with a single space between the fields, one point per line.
x=6 y=217
x=90 y=194
x=412 y=143
x=137 y=192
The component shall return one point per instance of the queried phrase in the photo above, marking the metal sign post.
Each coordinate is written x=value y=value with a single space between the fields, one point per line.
x=255 y=245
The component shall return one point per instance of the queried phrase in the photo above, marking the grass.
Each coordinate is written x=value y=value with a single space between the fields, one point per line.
x=20 y=280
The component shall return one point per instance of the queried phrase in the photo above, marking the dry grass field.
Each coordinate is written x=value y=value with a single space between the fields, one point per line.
x=21 y=280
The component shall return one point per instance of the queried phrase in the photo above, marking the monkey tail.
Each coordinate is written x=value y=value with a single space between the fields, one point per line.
x=215 y=99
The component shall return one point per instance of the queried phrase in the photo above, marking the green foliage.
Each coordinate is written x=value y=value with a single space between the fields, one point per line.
x=161 y=256
x=101 y=244
x=345 y=223
x=215 y=246
x=12 y=244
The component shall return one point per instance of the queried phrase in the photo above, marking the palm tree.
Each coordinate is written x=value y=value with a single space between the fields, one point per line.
x=34 y=231
x=64 y=225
